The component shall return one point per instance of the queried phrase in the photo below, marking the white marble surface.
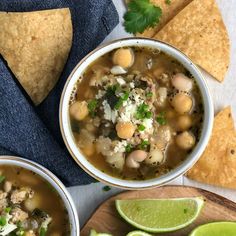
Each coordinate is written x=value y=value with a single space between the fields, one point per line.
x=88 y=198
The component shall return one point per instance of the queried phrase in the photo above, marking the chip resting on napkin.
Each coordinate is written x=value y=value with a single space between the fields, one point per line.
x=168 y=12
x=36 y=47
x=217 y=165
x=199 y=31
x=33 y=132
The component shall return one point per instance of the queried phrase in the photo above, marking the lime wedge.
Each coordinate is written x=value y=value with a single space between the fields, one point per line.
x=215 y=229
x=94 y=233
x=138 y=233
x=160 y=215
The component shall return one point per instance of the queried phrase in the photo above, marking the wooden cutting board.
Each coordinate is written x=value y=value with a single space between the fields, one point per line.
x=106 y=218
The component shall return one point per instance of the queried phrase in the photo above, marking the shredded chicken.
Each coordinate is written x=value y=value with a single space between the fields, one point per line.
x=18 y=215
x=3 y=200
x=19 y=195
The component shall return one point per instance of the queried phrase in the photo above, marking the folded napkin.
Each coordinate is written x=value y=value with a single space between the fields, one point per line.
x=33 y=132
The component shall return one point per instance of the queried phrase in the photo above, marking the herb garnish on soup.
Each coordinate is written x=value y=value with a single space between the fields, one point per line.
x=139 y=113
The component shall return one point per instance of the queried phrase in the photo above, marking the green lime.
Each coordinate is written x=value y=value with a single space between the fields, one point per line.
x=160 y=215
x=138 y=233
x=94 y=233
x=215 y=229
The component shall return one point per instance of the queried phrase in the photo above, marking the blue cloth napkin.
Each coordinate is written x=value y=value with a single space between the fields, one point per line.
x=33 y=132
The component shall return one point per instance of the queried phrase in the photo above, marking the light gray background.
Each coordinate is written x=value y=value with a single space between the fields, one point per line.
x=87 y=198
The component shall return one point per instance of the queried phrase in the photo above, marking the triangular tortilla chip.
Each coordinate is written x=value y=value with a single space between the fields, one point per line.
x=198 y=31
x=168 y=12
x=36 y=46
x=217 y=165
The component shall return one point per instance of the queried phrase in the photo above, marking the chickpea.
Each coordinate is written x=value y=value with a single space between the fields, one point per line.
x=182 y=103
x=170 y=114
x=123 y=57
x=125 y=130
x=89 y=150
x=185 y=140
x=79 y=110
x=184 y=122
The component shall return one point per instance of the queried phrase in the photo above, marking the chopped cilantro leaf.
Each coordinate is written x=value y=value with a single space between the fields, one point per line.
x=114 y=87
x=128 y=148
x=121 y=100
x=21 y=232
x=141 y=14
x=92 y=105
x=143 y=112
x=149 y=94
x=161 y=118
x=106 y=188
x=2 y=178
x=42 y=232
x=7 y=209
x=141 y=127
x=3 y=220
x=168 y=2
x=148 y=115
x=144 y=144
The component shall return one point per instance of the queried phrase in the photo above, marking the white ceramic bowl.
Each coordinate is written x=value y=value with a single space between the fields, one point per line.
x=54 y=181
x=65 y=121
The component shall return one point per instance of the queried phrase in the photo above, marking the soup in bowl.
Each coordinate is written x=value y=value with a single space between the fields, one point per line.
x=33 y=202
x=138 y=111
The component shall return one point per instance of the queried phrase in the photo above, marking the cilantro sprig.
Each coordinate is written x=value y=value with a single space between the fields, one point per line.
x=141 y=14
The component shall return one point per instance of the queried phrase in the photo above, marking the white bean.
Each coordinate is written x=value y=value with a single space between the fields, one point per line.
x=135 y=157
x=182 y=82
x=118 y=70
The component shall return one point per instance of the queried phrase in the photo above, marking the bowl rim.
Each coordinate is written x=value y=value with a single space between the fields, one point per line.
x=48 y=176
x=190 y=160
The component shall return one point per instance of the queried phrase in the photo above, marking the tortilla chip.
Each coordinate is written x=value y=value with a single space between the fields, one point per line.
x=198 y=31
x=168 y=12
x=36 y=46
x=217 y=165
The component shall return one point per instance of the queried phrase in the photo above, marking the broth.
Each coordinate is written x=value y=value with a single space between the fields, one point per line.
x=136 y=113
x=33 y=205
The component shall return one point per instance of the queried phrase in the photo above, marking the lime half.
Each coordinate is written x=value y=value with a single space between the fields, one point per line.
x=138 y=233
x=94 y=233
x=160 y=215
x=216 y=229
